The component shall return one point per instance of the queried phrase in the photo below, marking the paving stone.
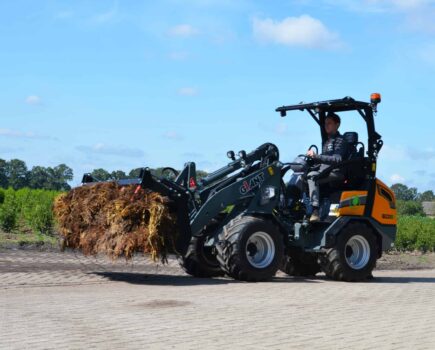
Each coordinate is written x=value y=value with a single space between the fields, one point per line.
x=52 y=300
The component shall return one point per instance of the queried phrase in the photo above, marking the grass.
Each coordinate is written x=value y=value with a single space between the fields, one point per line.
x=396 y=260
x=29 y=239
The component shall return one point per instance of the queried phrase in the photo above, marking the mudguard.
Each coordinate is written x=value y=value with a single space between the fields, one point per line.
x=386 y=233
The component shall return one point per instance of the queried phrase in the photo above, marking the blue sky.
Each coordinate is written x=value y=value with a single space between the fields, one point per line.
x=125 y=84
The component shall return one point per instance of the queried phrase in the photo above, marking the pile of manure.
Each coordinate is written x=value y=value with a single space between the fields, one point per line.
x=115 y=220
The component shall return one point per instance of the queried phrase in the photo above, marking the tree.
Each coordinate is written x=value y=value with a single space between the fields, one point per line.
x=3 y=175
x=100 y=174
x=50 y=178
x=404 y=193
x=134 y=173
x=61 y=174
x=157 y=172
x=118 y=175
x=201 y=174
x=38 y=177
x=16 y=171
x=426 y=196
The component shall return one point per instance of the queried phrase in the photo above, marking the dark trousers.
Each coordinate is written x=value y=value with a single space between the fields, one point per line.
x=313 y=186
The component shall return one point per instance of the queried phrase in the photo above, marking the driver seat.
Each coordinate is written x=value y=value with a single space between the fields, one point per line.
x=351 y=138
x=354 y=172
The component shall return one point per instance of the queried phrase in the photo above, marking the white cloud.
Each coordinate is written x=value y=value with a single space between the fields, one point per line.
x=24 y=134
x=304 y=31
x=394 y=153
x=422 y=21
x=188 y=91
x=425 y=154
x=192 y=155
x=281 y=128
x=399 y=153
x=420 y=172
x=10 y=149
x=33 y=100
x=102 y=149
x=183 y=31
x=395 y=178
x=111 y=15
x=400 y=4
x=172 y=135
x=418 y=14
x=380 y=5
x=427 y=54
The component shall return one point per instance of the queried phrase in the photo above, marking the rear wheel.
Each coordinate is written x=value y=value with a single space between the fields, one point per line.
x=354 y=256
x=250 y=249
x=199 y=261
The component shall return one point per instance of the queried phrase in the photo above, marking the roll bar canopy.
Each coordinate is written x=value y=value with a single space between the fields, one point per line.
x=318 y=111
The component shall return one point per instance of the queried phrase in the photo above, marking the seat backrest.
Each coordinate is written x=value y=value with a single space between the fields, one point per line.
x=354 y=172
x=351 y=138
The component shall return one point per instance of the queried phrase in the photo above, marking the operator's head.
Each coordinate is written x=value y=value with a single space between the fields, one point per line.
x=332 y=123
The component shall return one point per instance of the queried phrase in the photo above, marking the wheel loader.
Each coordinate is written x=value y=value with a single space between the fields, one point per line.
x=245 y=221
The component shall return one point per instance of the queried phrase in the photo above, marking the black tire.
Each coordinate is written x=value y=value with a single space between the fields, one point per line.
x=302 y=265
x=337 y=262
x=199 y=260
x=243 y=240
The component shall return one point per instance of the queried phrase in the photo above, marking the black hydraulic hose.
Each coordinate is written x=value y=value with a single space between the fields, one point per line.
x=250 y=158
x=218 y=174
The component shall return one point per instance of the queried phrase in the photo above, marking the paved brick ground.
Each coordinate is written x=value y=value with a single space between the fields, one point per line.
x=67 y=301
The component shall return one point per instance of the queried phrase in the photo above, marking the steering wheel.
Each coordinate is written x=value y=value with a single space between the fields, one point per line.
x=305 y=157
x=311 y=163
x=308 y=159
x=315 y=147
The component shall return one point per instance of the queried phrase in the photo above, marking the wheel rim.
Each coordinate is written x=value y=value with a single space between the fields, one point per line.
x=357 y=252
x=260 y=250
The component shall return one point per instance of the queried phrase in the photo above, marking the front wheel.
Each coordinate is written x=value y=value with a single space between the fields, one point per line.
x=250 y=249
x=199 y=261
x=354 y=256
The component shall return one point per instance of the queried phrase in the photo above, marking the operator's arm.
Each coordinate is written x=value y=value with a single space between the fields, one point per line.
x=339 y=153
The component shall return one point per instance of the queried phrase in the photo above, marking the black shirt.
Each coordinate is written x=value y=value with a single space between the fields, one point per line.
x=334 y=150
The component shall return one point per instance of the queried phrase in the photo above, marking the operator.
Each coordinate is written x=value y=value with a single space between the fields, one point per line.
x=334 y=151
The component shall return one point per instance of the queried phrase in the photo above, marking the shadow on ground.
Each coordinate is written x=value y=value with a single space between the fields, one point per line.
x=402 y=280
x=162 y=280
x=184 y=280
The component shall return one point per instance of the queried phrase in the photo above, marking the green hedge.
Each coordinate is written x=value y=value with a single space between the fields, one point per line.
x=27 y=210
x=415 y=233
x=410 y=208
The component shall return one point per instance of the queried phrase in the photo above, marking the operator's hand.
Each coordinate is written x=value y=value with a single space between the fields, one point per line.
x=310 y=153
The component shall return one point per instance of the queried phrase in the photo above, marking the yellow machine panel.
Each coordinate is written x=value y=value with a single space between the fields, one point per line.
x=384 y=206
x=352 y=203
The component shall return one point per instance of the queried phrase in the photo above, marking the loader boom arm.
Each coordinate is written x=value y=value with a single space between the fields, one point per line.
x=196 y=203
